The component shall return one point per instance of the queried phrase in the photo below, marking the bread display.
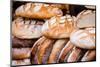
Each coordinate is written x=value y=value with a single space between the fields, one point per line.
x=86 y=18
x=50 y=33
x=38 y=11
x=84 y=38
x=26 y=29
x=59 y=27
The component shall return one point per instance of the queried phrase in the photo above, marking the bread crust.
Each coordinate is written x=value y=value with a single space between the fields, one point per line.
x=20 y=53
x=26 y=29
x=58 y=27
x=86 y=18
x=90 y=55
x=65 y=51
x=74 y=55
x=84 y=38
x=38 y=11
x=58 y=46
x=34 y=49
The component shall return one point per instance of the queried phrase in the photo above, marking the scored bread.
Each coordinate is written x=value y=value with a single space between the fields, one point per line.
x=34 y=49
x=65 y=51
x=86 y=18
x=26 y=29
x=44 y=51
x=57 y=47
x=74 y=55
x=38 y=11
x=84 y=38
x=59 y=27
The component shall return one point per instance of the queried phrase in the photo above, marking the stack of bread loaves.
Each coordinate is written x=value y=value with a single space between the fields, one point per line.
x=27 y=28
x=66 y=39
x=45 y=33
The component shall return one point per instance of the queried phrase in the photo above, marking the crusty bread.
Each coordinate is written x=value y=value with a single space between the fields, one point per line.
x=89 y=55
x=35 y=48
x=84 y=38
x=22 y=43
x=74 y=55
x=21 y=62
x=20 y=53
x=26 y=29
x=57 y=47
x=38 y=11
x=58 y=27
x=44 y=51
x=65 y=51
x=86 y=18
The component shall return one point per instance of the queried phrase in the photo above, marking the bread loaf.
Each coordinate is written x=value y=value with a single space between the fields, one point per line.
x=58 y=27
x=65 y=51
x=20 y=53
x=57 y=47
x=86 y=18
x=26 y=29
x=90 y=55
x=84 y=38
x=38 y=11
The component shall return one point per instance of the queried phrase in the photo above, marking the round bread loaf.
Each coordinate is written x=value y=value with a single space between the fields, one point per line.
x=86 y=18
x=84 y=38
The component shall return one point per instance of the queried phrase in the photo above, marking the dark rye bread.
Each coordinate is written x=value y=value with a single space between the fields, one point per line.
x=22 y=43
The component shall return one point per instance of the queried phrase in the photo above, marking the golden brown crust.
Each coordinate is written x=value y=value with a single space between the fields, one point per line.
x=38 y=11
x=44 y=51
x=58 y=27
x=35 y=49
x=68 y=47
x=59 y=44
